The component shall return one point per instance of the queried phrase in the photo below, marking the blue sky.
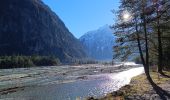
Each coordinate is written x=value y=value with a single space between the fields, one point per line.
x=81 y=16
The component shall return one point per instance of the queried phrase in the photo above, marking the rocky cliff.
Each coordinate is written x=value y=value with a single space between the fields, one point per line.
x=29 y=27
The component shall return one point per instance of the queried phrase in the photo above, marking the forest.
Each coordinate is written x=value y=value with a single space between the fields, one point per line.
x=27 y=61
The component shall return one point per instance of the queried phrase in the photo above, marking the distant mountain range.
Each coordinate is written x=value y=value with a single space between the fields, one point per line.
x=29 y=27
x=99 y=43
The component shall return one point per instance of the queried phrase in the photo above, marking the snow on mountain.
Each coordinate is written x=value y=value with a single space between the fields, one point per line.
x=98 y=43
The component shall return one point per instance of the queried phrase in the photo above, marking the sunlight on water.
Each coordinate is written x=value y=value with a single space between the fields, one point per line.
x=129 y=63
x=125 y=76
x=97 y=86
x=113 y=82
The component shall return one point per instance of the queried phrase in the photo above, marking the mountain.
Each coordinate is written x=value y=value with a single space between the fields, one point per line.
x=99 y=43
x=29 y=27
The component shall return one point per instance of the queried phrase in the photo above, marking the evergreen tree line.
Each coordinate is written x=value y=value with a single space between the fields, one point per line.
x=27 y=61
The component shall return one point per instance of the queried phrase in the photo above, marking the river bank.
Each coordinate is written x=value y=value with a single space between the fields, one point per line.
x=139 y=89
x=65 y=82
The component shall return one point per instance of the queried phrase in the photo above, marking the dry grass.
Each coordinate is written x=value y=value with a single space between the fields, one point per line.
x=139 y=85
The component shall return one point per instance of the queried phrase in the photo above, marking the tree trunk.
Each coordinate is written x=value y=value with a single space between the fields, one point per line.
x=146 y=67
x=159 y=46
x=139 y=44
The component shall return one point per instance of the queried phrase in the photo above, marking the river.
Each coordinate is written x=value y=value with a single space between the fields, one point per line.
x=78 y=82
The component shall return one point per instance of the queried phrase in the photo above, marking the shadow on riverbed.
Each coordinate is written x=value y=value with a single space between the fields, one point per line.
x=165 y=75
x=162 y=93
x=10 y=90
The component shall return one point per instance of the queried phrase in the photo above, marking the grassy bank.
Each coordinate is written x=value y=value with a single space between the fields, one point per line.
x=139 y=88
x=27 y=61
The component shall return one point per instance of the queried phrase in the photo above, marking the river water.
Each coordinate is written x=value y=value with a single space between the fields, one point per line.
x=96 y=85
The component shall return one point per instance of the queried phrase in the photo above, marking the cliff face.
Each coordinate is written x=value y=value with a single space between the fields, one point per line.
x=99 y=43
x=29 y=27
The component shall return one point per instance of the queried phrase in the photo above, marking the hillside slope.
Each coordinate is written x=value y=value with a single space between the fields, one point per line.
x=29 y=27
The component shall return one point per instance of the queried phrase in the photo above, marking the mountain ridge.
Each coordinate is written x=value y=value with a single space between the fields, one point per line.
x=98 y=43
x=30 y=27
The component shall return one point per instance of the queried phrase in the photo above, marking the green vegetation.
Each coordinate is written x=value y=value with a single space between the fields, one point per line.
x=143 y=25
x=27 y=61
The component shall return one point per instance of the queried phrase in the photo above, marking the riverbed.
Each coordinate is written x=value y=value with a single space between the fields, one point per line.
x=65 y=82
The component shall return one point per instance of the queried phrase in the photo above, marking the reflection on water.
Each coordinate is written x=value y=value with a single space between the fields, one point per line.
x=126 y=76
x=104 y=84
